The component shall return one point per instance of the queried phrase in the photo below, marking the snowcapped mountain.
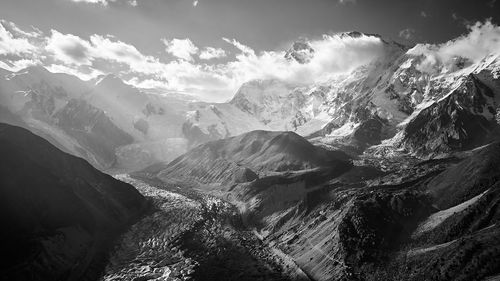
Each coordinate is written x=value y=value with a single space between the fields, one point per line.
x=382 y=101
x=109 y=123
x=396 y=100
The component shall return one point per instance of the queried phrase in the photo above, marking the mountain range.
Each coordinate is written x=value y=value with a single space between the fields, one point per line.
x=391 y=101
x=388 y=172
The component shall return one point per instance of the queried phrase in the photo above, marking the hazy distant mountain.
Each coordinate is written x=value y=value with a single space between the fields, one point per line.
x=111 y=124
x=255 y=154
x=58 y=213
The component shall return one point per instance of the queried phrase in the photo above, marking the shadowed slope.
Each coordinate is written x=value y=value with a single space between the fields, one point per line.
x=57 y=212
x=261 y=151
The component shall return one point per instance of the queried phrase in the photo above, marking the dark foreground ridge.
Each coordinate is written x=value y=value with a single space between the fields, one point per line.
x=57 y=212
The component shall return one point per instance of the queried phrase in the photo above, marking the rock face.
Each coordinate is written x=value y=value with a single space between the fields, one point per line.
x=93 y=129
x=463 y=119
x=261 y=151
x=58 y=213
x=244 y=175
x=393 y=90
x=359 y=223
x=301 y=51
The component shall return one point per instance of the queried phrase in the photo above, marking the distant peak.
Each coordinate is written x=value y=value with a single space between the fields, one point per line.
x=357 y=34
x=109 y=80
x=301 y=51
x=36 y=68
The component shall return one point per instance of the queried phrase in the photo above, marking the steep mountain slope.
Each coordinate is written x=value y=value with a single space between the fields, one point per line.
x=58 y=213
x=375 y=102
x=50 y=105
x=257 y=152
x=463 y=119
x=110 y=124
x=360 y=223
x=308 y=108
x=153 y=120
x=207 y=122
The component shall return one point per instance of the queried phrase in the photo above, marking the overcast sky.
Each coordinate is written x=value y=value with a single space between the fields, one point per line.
x=209 y=47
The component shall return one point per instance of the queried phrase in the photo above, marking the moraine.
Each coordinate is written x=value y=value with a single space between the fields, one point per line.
x=192 y=236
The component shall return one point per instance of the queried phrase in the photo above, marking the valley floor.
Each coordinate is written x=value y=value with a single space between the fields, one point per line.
x=191 y=236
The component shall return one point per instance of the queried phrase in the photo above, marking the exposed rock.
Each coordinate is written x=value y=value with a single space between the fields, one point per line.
x=58 y=213
x=244 y=175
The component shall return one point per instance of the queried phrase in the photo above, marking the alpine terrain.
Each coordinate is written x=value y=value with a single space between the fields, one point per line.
x=349 y=157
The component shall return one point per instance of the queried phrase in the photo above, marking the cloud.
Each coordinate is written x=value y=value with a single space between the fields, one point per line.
x=491 y=3
x=101 y=2
x=16 y=65
x=243 y=48
x=69 y=48
x=195 y=3
x=482 y=40
x=88 y=57
x=423 y=14
x=12 y=44
x=106 y=3
x=85 y=74
x=181 y=48
x=18 y=32
x=209 y=53
x=347 y=2
x=407 y=34
x=333 y=54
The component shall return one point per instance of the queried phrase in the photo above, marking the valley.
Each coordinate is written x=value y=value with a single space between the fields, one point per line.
x=192 y=236
x=369 y=218
x=350 y=157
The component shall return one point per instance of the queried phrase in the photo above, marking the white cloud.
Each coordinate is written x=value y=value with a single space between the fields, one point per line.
x=101 y=2
x=87 y=58
x=16 y=65
x=76 y=71
x=209 y=53
x=181 y=48
x=13 y=45
x=482 y=40
x=18 y=32
x=195 y=3
x=105 y=3
x=216 y=81
x=69 y=48
x=243 y=48
x=333 y=54
x=423 y=14
x=347 y=1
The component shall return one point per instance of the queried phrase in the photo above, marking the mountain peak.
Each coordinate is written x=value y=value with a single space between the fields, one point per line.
x=109 y=80
x=34 y=69
x=301 y=51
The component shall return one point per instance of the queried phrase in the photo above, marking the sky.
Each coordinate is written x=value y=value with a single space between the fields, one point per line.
x=208 y=48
